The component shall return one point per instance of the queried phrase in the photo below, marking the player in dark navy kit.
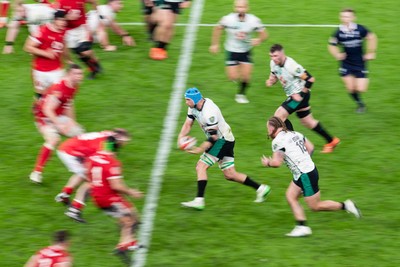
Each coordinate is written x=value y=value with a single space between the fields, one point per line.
x=353 y=69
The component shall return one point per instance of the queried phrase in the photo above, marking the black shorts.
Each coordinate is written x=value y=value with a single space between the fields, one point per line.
x=356 y=71
x=233 y=58
x=173 y=6
x=308 y=182
x=291 y=105
x=146 y=10
x=221 y=149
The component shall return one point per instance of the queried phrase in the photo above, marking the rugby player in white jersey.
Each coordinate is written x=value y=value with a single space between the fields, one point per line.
x=293 y=149
x=33 y=14
x=239 y=27
x=296 y=82
x=218 y=147
x=103 y=18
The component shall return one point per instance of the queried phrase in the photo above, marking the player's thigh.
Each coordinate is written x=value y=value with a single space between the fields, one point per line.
x=281 y=113
x=362 y=84
x=232 y=71
x=49 y=132
x=293 y=192
x=74 y=164
x=349 y=82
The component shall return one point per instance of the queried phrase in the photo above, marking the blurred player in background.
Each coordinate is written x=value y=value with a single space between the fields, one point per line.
x=55 y=255
x=294 y=149
x=4 y=6
x=217 y=148
x=74 y=152
x=107 y=188
x=147 y=10
x=102 y=19
x=33 y=15
x=164 y=15
x=55 y=116
x=78 y=37
x=296 y=82
x=353 y=61
x=49 y=51
x=239 y=27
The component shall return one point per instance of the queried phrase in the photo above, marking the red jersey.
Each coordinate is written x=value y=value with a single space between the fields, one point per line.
x=52 y=255
x=48 y=39
x=62 y=92
x=102 y=167
x=85 y=145
x=76 y=8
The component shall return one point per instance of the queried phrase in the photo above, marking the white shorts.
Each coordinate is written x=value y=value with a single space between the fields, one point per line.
x=72 y=163
x=43 y=79
x=38 y=13
x=77 y=35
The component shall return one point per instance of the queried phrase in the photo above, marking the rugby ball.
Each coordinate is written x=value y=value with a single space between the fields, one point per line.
x=187 y=142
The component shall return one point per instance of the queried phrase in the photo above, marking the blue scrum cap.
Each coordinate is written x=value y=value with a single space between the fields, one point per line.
x=193 y=94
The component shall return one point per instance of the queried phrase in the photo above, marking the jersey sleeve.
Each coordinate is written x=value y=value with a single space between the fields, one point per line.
x=334 y=38
x=190 y=114
x=295 y=68
x=258 y=26
x=115 y=170
x=363 y=31
x=277 y=145
x=223 y=21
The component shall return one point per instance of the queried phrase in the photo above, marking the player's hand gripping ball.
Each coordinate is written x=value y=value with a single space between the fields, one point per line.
x=187 y=142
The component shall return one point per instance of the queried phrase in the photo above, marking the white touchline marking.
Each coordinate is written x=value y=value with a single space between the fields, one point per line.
x=266 y=25
x=168 y=134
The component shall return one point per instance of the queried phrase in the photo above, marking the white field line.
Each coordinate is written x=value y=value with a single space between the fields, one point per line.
x=266 y=25
x=168 y=134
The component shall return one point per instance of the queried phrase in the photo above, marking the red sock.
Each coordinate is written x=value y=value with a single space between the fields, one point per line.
x=4 y=8
x=68 y=190
x=42 y=158
x=77 y=204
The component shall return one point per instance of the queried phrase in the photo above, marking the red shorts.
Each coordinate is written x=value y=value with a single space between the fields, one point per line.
x=114 y=205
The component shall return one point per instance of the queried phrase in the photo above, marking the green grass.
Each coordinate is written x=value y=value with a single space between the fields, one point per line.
x=232 y=231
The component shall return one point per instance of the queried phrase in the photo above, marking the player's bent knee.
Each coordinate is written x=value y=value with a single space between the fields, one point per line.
x=83 y=47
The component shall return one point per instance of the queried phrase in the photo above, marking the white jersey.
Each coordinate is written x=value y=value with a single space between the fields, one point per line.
x=296 y=155
x=210 y=117
x=289 y=75
x=238 y=32
x=93 y=17
x=37 y=14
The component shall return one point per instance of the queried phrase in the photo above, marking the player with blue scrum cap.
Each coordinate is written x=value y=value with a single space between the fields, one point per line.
x=218 y=147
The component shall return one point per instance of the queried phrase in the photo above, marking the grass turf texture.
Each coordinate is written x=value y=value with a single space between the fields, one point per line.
x=232 y=231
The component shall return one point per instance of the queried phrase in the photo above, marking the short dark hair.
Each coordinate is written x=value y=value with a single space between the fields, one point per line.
x=74 y=66
x=348 y=9
x=61 y=236
x=276 y=47
x=60 y=13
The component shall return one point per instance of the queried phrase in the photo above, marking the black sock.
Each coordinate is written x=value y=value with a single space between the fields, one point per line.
x=321 y=131
x=201 y=187
x=343 y=206
x=251 y=183
x=357 y=98
x=243 y=87
x=302 y=223
x=289 y=125
x=162 y=45
x=151 y=28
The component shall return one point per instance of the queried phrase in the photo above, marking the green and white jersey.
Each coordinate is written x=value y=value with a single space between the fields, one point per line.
x=289 y=75
x=210 y=117
x=296 y=155
x=239 y=33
